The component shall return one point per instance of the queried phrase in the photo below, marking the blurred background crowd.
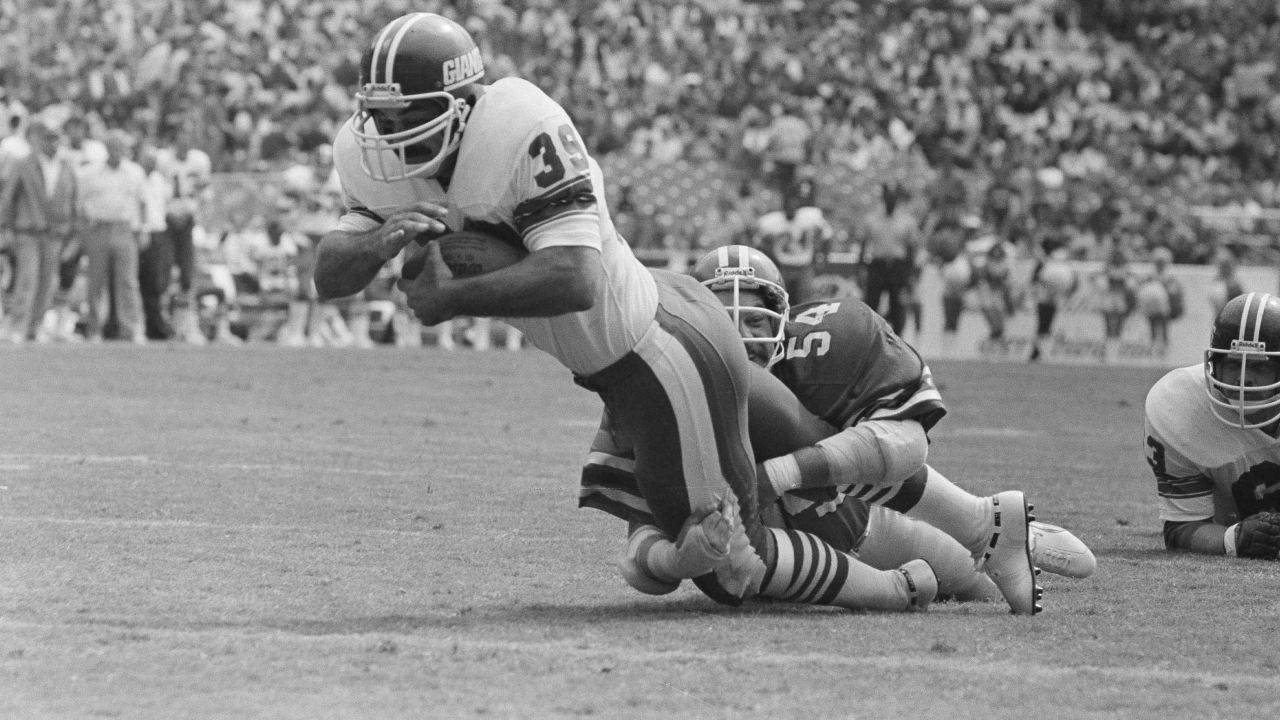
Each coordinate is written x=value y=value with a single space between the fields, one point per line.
x=1107 y=131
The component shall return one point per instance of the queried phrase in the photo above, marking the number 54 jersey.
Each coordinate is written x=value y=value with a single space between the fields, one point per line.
x=523 y=173
x=1205 y=468
x=846 y=365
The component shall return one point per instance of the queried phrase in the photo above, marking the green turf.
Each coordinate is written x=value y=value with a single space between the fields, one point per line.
x=259 y=532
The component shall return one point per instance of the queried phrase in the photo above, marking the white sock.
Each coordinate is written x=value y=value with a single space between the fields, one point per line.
x=955 y=511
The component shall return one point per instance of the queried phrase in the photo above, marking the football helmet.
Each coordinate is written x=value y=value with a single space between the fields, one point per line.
x=742 y=269
x=417 y=69
x=1246 y=332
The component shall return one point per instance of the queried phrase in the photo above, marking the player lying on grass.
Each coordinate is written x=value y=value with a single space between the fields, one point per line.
x=844 y=363
x=1212 y=434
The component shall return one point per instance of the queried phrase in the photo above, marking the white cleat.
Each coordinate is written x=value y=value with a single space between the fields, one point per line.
x=1058 y=551
x=1007 y=556
x=922 y=584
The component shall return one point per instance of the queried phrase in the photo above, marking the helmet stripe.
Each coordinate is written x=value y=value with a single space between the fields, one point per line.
x=395 y=44
x=722 y=256
x=1257 y=323
x=1244 y=317
x=377 y=52
x=744 y=259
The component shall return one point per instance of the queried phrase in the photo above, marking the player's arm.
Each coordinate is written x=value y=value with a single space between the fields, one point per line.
x=1198 y=536
x=1257 y=536
x=872 y=452
x=551 y=281
x=350 y=256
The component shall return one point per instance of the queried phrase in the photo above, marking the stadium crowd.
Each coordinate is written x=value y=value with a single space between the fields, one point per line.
x=1077 y=124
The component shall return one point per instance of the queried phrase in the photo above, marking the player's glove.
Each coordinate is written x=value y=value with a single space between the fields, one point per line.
x=703 y=543
x=1258 y=536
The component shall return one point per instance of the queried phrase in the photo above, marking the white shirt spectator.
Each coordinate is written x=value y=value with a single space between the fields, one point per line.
x=155 y=200
x=114 y=194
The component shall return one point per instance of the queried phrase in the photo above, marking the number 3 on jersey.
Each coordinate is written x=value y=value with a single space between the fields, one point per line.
x=545 y=148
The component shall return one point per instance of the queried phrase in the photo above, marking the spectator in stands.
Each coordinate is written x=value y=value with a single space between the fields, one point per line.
x=112 y=198
x=1096 y=98
x=14 y=144
x=891 y=237
x=787 y=144
x=1226 y=283
x=38 y=206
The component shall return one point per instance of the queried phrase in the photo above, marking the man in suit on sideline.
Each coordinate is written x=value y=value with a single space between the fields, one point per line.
x=38 y=204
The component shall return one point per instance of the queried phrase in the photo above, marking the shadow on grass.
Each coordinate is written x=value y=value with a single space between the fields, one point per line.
x=494 y=618
x=550 y=616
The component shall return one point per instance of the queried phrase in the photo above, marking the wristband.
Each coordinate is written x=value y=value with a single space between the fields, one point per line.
x=1229 y=540
x=783 y=472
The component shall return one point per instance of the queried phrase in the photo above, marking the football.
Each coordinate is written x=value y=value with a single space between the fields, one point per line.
x=467 y=253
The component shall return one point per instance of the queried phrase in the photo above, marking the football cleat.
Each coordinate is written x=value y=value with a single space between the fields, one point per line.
x=1006 y=558
x=922 y=584
x=1058 y=551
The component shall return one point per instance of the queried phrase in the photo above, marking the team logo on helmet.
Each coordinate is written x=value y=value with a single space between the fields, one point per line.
x=463 y=69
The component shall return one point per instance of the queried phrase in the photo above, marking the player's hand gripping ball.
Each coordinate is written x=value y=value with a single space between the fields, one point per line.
x=467 y=253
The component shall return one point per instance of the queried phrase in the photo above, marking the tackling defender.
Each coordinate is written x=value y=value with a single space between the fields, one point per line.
x=845 y=364
x=1211 y=438
x=431 y=149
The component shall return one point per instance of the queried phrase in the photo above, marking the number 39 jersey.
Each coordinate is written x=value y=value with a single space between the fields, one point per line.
x=846 y=365
x=523 y=174
x=1203 y=467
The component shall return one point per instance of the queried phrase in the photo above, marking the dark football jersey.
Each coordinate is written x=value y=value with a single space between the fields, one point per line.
x=846 y=365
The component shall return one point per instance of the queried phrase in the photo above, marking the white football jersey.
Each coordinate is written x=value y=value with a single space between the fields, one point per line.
x=1203 y=467
x=793 y=242
x=523 y=173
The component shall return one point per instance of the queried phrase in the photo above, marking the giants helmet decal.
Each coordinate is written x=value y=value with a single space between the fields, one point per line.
x=416 y=62
x=1247 y=332
x=743 y=269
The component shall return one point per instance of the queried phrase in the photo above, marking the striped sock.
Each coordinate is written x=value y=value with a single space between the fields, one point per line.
x=807 y=570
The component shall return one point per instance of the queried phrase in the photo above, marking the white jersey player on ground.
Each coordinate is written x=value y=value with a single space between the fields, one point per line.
x=1213 y=437
x=429 y=150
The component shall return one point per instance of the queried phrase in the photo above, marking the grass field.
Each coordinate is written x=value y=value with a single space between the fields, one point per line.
x=269 y=533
